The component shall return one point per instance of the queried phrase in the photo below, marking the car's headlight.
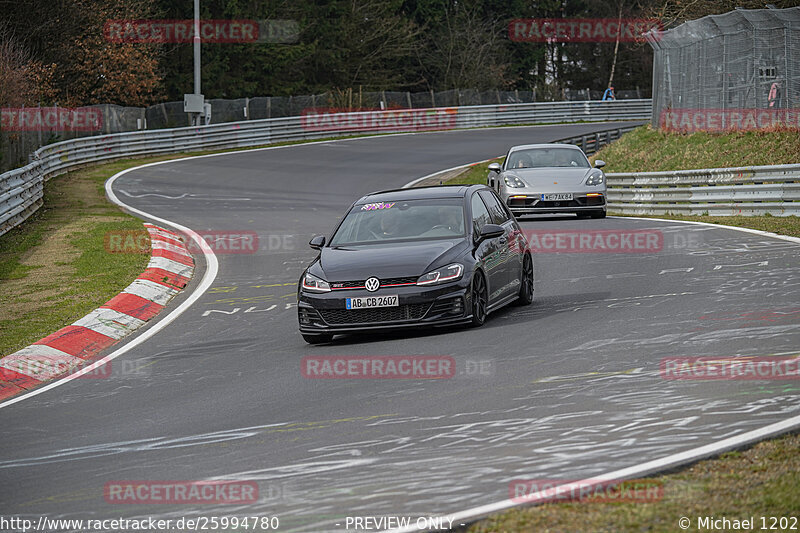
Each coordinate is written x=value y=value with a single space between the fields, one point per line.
x=442 y=275
x=513 y=182
x=595 y=179
x=315 y=284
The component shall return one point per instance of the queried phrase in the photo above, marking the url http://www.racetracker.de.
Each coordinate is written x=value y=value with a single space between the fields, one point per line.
x=197 y=523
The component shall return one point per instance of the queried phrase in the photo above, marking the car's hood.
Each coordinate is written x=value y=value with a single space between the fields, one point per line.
x=351 y=263
x=552 y=179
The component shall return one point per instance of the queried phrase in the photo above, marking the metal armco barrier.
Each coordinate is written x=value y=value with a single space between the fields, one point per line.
x=591 y=143
x=21 y=190
x=773 y=189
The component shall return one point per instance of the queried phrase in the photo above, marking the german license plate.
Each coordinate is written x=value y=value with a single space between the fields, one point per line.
x=556 y=196
x=371 y=301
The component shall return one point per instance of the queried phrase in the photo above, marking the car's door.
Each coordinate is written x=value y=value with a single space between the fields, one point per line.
x=489 y=252
x=511 y=253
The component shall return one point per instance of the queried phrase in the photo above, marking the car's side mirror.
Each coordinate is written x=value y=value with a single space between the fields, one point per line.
x=317 y=242
x=490 y=231
x=495 y=167
x=599 y=163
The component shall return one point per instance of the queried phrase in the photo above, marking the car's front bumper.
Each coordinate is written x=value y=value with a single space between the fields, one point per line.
x=320 y=313
x=530 y=203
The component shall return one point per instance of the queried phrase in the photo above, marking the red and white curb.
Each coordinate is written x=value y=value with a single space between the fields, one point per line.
x=168 y=272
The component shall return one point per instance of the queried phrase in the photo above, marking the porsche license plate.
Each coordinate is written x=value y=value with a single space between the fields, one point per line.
x=556 y=196
x=371 y=301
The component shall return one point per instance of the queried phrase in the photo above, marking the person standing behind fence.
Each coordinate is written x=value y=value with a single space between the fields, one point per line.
x=609 y=94
x=774 y=97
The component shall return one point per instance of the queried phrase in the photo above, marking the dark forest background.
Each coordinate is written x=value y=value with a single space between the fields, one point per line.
x=54 y=51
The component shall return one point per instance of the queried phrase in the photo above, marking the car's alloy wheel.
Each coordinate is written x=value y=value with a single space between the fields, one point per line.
x=317 y=339
x=526 y=287
x=479 y=300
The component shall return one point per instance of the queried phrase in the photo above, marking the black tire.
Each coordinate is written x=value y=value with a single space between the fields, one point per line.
x=526 y=287
x=480 y=299
x=599 y=214
x=317 y=339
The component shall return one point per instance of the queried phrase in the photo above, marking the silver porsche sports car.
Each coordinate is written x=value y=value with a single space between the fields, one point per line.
x=550 y=178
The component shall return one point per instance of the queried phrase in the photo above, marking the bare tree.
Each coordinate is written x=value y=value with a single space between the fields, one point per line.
x=465 y=51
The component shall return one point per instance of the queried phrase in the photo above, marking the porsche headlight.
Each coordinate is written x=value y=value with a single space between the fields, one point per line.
x=595 y=179
x=513 y=182
x=442 y=275
x=315 y=284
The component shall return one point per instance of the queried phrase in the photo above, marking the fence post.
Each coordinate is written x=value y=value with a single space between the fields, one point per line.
x=433 y=99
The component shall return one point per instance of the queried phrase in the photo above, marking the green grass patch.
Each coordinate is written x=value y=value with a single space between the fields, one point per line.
x=54 y=268
x=759 y=482
x=647 y=150
x=475 y=174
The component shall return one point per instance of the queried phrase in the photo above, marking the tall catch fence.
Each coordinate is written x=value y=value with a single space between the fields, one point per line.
x=730 y=64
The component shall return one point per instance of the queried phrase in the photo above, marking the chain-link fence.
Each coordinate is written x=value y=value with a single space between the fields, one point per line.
x=15 y=146
x=730 y=63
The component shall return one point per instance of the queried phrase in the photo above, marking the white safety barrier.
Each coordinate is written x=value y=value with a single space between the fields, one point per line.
x=760 y=190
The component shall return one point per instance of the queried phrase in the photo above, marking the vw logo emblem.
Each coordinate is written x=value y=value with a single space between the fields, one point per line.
x=372 y=284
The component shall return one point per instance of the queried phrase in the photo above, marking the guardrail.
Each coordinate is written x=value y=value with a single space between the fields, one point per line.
x=21 y=190
x=761 y=190
x=592 y=142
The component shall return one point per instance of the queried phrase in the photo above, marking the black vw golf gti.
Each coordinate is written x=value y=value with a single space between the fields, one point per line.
x=415 y=257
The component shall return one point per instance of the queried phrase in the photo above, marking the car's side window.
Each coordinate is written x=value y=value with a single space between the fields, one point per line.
x=480 y=215
x=499 y=215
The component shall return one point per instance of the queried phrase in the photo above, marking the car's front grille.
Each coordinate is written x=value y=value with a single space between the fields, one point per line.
x=375 y=314
x=360 y=283
x=535 y=203
x=562 y=203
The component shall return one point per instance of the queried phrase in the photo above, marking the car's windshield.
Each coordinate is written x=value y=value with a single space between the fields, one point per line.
x=547 y=157
x=402 y=220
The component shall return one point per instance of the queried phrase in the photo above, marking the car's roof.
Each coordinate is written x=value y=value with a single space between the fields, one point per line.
x=418 y=193
x=540 y=146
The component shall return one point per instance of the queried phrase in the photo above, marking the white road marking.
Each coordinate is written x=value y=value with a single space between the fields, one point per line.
x=761 y=263
x=636 y=471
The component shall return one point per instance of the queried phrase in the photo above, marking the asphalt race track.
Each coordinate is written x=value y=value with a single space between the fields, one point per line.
x=564 y=389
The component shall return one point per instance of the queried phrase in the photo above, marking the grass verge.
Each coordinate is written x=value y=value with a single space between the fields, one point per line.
x=54 y=268
x=759 y=482
x=647 y=150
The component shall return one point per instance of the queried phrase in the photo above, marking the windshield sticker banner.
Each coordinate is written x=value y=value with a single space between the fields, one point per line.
x=378 y=205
